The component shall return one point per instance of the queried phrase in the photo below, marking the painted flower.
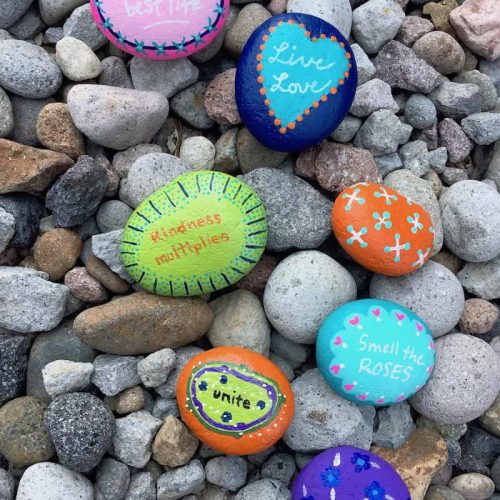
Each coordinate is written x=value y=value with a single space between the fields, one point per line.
x=374 y=491
x=361 y=462
x=330 y=477
x=226 y=417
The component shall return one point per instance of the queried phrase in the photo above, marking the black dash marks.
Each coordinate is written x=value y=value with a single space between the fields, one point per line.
x=169 y=199
x=212 y=181
x=200 y=286
x=255 y=247
x=186 y=288
x=212 y=285
x=128 y=253
x=226 y=185
x=237 y=192
x=236 y=270
x=142 y=277
x=246 y=259
x=153 y=206
x=255 y=221
x=247 y=198
x=142 y=216
x=132 y=265
x=129 y=243
x=198 y=183
x=257 y=233
x=225 y=278
x=183 y=189
x=135 y=229
x=253 y=208
x=171 y=289
x=155 y=284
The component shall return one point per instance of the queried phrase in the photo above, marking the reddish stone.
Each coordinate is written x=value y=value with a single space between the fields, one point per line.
x=220 y=99
x=255 y=281
x=305 y=164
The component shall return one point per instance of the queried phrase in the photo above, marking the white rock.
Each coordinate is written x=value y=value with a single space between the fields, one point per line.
x=76 y=60
x=155 y=368
x=198 y=152
x=63 y=376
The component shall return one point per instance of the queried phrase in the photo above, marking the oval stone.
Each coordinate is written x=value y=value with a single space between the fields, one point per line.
x=382 y=230
x=295 y=82
x=375 y=352
x=158 y=29
x=235 y=400
x=348 y=472
x=201 y=233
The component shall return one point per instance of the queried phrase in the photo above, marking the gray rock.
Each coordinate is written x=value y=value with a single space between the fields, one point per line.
x=13 y=364
x=165 y=407
x=81 y=428
x=142 y=487
x=456 y=100
x=12 y=10
x=182 y=481
x=133 y=437
x=27 y=70
x=164 y=77
x=239 y=320
x=28 y=26
x=395 y=426
x=464 y=383
x=366 y=69
x=415 y=157
x=112 y=479
x=29 y=302
x=482 y=279
x=76 y=60
x=270 y=489
x=148 y=174
x=482 y=128
x=338 y=13
x=298 y=215
x=53 y=11
x=421 y=192
x=7 y=485
x=302 y=290
x=107 y=247
x=294 y=353
x=123 y=161
x=62 y=376
x=375 y=23
x=53 y=35
x=453 y=138
x=478 y=450
x=485 y=84
x=420 y=112
x=6 y=114
x=492 y=69
x=372 y=96
x=114 y=73
x=154 y=369
x=228 y=472
x=112 y=215
x=76 y=195
x=7 y=228
x=472 y=485
x=400 y=67
x=323 y=419
x=115 y=117
x=442 y=493
x=189 y=104
x=438 y=159
x=26 y=113
x=452 y=175
x=432 y=288
x=284 y=365
x=280 y=466
x=49 y=481
x=470 y=212
x=347 y=129
x=226 y=157
x=412 y=28
x=493 y=172
x=112 y=373
x=81 y=25
x=382 y=133
x=388 y=163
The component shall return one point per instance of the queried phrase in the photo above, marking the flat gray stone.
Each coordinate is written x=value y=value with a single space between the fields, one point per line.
x=62 y=376
x=6 y=114
x=456 y=100
x=395 y=426
x=112 y=479
x=113 y=374
x=482 y=128
x=372 y=96
x=482 y=279
x=11 y=11
x=107 y=247
x=182 y=481
x=270 y=489
x=81 y=25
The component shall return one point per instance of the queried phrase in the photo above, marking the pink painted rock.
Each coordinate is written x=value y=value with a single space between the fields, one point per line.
x=478 y=26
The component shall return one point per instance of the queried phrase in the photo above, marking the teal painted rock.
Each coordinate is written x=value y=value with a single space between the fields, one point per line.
x=375 y=352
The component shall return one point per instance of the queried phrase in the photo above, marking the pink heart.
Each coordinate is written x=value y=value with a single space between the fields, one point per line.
x=400 y=317
x=376 y=312
x=349 y=387
x=380 y=401
x=419 y=327
x=431 y=344
x=335 y=369
x=354 y=321
x=362 y=397
x=401 y=398
x=338 y=341
x=429 y=370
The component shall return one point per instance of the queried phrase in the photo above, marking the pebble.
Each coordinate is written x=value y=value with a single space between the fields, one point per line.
x=14 y=351
x=270 y=489
x=481 y=279
x=323 y=419
x=7 y=485
x=85 y=287
x=130 y=400
x=182 y=481
x=11 y=11
x=226 y=158
x=366 y=69
x=227 y=472
x=473 y=486
x=29 y=26
x=27 y=70
x=76 y=195
x=143 y=323
x=420 y=112
x=347 y=129
x=29 y=302
x=49 y=481
x=482 y=128
x=62 y=376
x=112 y=479
x=81 y=25
x=255 y=281
x=114 y=73
x=56 y=131
x=315 y=284
x=56 y=252
x=492 y=69
x=155 y=368
x=463 y=385
x=372 y=96
x=7 y=114
x=102 y=273
x=478 y=449
x=456 y=100
x=395 y=426
x=415 y=157
x=142 y=487
x=455 y=140
x=412 y=28
x=123 y=160
x=280 y=466
x=401 y=68
x=298 y=215
x=470 y=213
x=375 y=23
x=430 y=289
x=112 y=374
x=485 y=84
x=388 y=163
x=189 y=104
x=7 y=228
x=23 y=438
x=479 y=317
x=112 y=215
x=165 y=407
x=107 y=247
x=81 y=428
x=53 y=11
x=198 y=153
x=133 y=437
x=76 y=60
x=439 y=14
x=441 y=51
x=114 y=117
x=220 y=99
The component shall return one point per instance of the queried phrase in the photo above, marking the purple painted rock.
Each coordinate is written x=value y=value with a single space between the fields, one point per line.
x=347 y=473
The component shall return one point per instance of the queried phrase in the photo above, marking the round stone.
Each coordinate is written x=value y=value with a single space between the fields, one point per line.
x=295 y=82
x=202 y=232
x=154 y=29
x=383 y=230
x=375 y=352
x=348 y=472
x=235 y=400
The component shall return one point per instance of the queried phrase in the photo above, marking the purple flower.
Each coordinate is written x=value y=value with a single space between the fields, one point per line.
x=374 y=491
x=330 y=477
x=361 y=462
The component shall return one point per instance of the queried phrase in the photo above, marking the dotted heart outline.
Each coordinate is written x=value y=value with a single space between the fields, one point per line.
x=316 y=104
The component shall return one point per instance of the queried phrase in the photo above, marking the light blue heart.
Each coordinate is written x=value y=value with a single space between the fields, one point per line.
x=298 y=71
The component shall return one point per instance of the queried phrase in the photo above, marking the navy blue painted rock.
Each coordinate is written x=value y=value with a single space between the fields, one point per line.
x=375 y=352
x=295 y=82
x=347 y=473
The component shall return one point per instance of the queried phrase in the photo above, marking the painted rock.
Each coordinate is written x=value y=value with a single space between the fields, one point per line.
x=160 y=29
x=235 y=400
x=295 y=82
x=202 y=232
x=346 y=473
x=375 y=352
x=382 y=230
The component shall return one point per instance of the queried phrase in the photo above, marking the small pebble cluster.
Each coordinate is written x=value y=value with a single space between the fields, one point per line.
x=89 y=363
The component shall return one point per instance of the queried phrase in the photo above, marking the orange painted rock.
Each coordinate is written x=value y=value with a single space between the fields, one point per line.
x=382 y=230
x=235 y=400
